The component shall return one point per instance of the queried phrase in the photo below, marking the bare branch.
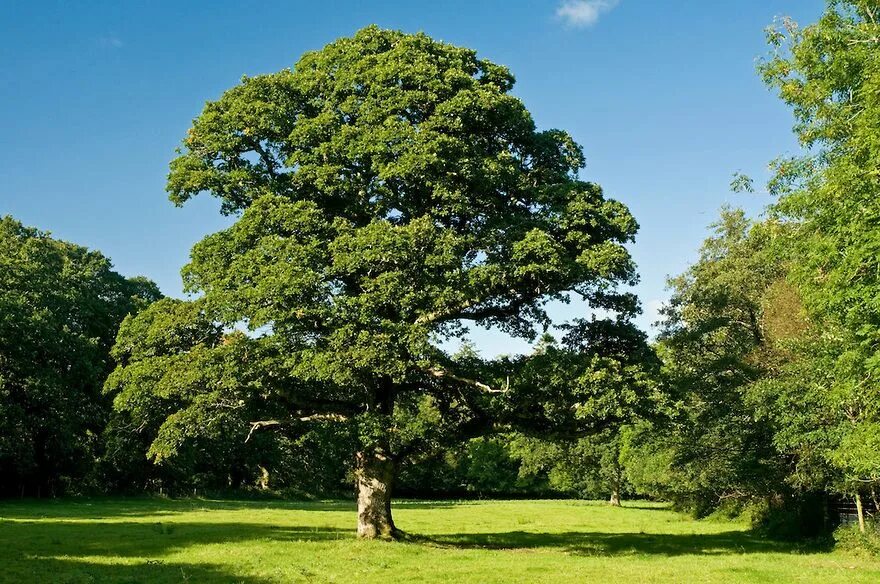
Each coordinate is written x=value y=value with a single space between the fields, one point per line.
x=440 y=373
x=323 y=418
x=261 y=424
x=313 y=418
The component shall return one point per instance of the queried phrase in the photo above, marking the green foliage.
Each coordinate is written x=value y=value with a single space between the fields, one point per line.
x=714 y=346
x=589 y=468
x=60 y=305
x=184 y=396
x=796 y=516
x=829 y=73
x=849 y=538
x=388 y=189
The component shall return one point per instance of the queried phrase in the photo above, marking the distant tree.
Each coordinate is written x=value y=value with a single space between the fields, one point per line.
x=60 y=307
x=588 y=468
x=612 y=358
x=713 y=345
x=388 y=189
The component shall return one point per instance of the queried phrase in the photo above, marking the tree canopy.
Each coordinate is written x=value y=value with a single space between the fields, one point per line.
x=388 y=189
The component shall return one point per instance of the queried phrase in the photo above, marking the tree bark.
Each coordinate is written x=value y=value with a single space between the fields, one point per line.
x=374 y=475
x=617 y=479
x=615 y=497
x=861 y=512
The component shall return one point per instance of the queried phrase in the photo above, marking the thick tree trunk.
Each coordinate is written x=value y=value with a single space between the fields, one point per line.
x=374 y=476
x=861 y=512
x=615 y=497
x=616 y=481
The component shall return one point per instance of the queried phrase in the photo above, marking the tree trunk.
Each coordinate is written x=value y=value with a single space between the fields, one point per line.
x=861 y=512
x=263 y=480
x=374 y=477
x=617 y=479
x=615 y=497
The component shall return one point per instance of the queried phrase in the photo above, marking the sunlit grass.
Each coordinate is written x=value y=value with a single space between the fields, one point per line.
x=155 y=540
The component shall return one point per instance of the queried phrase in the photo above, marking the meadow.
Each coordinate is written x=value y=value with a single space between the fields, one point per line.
x=196 y=540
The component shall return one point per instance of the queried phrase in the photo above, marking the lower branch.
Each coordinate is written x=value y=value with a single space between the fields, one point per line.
x=441 y=373
x=313 y=418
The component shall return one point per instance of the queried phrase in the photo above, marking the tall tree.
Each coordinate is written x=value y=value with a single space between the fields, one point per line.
x=60 y=307
x=714 y=347
x=388 y=189
x=829 y=73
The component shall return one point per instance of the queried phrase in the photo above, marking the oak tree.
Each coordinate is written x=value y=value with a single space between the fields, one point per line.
x=388 y=190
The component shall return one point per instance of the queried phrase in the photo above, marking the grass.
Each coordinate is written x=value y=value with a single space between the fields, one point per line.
x=157 y=540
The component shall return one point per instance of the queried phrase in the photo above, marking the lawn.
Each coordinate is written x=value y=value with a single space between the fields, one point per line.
x=157 y=540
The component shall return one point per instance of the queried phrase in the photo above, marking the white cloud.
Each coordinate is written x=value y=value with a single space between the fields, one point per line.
x=583 y=13
x=110 y=42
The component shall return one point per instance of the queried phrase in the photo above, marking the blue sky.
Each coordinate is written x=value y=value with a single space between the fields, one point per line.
x=95 y=96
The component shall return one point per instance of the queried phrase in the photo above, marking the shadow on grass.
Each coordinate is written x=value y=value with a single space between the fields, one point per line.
x=66 y=571
x=95 y=551
x=644 y=505
x=111 y=508
x=143 y=539
x=612 y=544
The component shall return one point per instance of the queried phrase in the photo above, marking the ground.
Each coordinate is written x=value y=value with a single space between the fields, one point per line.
x=194 y=540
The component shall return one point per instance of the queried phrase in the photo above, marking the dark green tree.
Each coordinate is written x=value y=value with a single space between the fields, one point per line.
x=713 y=344
x=60 y=307
x=388 y=189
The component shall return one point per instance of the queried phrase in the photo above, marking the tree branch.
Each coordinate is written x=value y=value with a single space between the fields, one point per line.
x=441 y=373
x=313 y=418
x=461 y=312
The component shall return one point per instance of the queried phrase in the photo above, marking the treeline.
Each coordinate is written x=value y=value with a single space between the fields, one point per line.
x=388 y=190
x=771 y=341
x=66 y=429
x=60 y=309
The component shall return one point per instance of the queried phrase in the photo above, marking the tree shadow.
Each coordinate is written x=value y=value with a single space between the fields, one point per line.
x=71 y=550
x=613 y=544
x=65 y=571
x=138 y=539
x=439 y=504
x=114 y=508
x=643 y=505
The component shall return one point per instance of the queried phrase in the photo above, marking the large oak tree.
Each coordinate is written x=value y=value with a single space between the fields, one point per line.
x=389 y=189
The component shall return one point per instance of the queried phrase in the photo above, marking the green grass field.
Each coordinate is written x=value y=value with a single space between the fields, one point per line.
x=154 y=540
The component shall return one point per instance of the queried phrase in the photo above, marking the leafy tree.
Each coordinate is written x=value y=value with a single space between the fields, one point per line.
x=388 y=190
x=587 y=468
x=611 y=357
x=829 y=73
x=60 y=306
x=714 y=347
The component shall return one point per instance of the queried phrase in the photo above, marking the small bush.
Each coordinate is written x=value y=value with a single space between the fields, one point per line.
x=849 y=538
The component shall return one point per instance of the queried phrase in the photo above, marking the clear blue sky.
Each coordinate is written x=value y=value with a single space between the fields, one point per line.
x=663 y=96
